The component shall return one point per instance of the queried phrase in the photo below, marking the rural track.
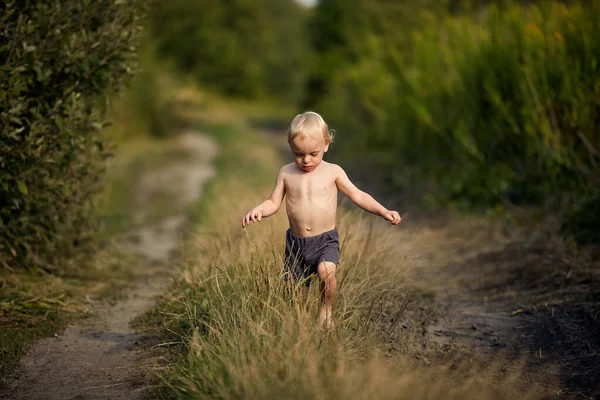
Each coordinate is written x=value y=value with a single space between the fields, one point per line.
x=99 y=357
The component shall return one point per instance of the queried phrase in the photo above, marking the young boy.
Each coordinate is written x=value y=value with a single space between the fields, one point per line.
x=310 y=187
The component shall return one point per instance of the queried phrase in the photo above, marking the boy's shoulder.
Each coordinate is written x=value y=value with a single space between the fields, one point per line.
x=332 y=168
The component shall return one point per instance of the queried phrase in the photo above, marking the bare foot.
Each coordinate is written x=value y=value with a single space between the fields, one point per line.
x=325 y=320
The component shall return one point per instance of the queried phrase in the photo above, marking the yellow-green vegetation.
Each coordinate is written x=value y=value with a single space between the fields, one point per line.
x=30 y=305
x=60 y=64
x=116 y=204
x=246 y=334
x=250 y=48
x=35 y=303
x=479 y=107
x=60 y=61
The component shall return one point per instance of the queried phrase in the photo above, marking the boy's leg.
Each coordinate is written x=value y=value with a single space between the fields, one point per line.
x=326 y=271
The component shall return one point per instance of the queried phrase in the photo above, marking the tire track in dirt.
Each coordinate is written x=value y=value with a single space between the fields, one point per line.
x=97 y=358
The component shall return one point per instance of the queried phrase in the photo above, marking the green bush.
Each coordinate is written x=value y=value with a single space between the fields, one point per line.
x=481 y=109
x=147 y=95
x=59 y=61
x=244 y=48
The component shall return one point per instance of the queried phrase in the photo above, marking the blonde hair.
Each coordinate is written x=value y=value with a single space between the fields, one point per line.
x=309 y=124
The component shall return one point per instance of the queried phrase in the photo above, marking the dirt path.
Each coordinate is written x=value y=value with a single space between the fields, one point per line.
x=518 y=291
x=97 y=357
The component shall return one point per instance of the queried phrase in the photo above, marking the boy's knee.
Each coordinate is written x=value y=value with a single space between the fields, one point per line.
x=326 y=270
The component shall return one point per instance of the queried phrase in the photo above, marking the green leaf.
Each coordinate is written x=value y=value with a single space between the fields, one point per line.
x=22 y=187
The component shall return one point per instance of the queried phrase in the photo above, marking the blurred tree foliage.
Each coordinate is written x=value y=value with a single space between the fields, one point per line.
x=478 y=106
x=248 y=48
x=340 y=31
x=59 y=59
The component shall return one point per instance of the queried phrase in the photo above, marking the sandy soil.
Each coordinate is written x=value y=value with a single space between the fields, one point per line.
x=513 y=292
x=98 y=357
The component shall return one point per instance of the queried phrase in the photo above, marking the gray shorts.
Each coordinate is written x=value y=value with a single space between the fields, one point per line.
x=304 y=254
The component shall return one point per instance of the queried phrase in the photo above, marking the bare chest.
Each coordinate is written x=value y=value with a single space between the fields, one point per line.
x=305 y=189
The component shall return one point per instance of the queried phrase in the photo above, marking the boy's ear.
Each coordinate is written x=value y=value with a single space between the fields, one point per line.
x=326 y=147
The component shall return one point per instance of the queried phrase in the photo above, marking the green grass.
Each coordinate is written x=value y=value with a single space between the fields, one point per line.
x=31 y=305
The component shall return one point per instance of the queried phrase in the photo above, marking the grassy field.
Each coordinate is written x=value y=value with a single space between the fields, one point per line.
x=237 y=331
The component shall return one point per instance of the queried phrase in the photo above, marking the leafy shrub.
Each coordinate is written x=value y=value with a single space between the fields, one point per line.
x=147 y=95
x=59 y=59
x=242 y=48
x=487 y=108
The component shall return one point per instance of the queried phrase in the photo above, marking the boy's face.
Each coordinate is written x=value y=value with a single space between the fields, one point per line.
x=308 y=152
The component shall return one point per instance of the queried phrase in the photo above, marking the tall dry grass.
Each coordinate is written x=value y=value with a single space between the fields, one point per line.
x=247 y=334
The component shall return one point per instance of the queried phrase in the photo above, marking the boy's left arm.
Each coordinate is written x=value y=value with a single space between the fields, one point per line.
x=363 y=199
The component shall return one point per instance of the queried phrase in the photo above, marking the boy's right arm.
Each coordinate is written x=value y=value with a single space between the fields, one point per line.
x=269 y=206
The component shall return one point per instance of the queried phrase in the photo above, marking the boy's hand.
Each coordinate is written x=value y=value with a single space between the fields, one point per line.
x=393 y=217
x=253 y=216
